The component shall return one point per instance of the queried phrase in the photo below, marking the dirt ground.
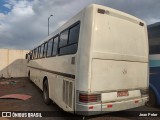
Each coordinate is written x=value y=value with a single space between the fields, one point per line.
x=24 y=86
x=35 y=103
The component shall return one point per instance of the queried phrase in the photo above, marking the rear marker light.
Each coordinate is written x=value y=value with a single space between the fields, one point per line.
x=90 y=107
x=141 y=24
x=137 y=101
x=109 y=106
x=101 y=11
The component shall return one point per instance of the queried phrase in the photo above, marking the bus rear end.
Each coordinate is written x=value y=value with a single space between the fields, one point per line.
x=119 y=63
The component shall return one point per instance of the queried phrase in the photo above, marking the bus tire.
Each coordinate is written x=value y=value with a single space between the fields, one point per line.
x=152 y=98
x=46 y=98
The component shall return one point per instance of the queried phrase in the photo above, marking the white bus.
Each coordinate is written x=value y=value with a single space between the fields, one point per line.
x=97 y=61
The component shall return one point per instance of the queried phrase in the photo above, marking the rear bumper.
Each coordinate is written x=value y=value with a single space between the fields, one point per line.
x=82 y=109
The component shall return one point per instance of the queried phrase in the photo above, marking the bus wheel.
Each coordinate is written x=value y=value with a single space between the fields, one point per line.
x=152 y=98
x=46 y=93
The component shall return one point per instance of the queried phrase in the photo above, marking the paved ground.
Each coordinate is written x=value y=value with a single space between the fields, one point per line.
x=35 y=103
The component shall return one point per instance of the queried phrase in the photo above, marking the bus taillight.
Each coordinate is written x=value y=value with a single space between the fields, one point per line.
x=87 y=98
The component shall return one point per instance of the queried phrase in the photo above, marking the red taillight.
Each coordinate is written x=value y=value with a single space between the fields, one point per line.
x=86 y=98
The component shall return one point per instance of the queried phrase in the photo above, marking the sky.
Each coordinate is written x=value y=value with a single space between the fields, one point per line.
x=24 y=23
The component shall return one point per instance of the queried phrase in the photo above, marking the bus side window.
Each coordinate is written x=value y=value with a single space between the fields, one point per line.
x=63 y=38
x=35 y=53
x=74 y=34
x=49 y=50
x=55 y=46
x=71 y=47
x=41 y=53
x=45 y=49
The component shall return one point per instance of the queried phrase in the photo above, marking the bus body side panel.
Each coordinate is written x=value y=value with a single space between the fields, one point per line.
x=57 y=70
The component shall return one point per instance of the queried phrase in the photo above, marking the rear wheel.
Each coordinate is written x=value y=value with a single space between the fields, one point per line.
x=152 y=98
x=46 y=93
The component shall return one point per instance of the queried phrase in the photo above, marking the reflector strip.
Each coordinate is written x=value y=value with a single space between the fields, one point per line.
x=90 y=107
x=109 y=106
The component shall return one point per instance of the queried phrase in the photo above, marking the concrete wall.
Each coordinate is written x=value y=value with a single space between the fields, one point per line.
x=13 y=63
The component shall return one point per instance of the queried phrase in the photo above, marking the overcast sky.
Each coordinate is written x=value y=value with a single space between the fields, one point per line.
x=23 y=23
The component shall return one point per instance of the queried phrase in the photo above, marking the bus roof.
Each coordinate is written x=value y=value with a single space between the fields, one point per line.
x=92 y=6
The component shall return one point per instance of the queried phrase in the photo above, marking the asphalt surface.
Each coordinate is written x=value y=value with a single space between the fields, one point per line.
x=35 y=103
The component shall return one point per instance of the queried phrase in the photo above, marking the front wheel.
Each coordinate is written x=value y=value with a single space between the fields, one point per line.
x=46 y=93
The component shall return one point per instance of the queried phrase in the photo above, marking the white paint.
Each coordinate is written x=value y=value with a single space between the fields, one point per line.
x=112 y=96
x=112 y=55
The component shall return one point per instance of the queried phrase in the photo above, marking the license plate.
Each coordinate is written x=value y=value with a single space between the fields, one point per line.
x=122 y=93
